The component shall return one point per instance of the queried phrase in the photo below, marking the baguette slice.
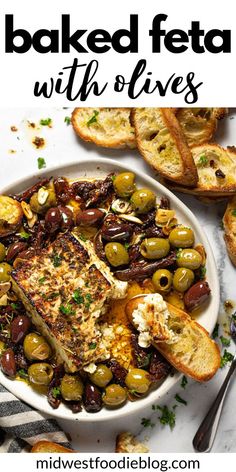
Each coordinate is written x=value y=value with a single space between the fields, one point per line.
x=193 y=352
x=199 y=124
x=209 y=160
x=107 y=127
x=162 y=144
x=229 y=221
x=50 y=447
x=127 y=443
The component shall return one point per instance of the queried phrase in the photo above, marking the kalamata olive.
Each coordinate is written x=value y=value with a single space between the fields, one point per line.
x=138 y=380
x=8 y=364
x=67 y=217
x=2 y=252
x=14 y=249
x=196 y=295
x=62 y=189
x=183 y=279
x=19 y=328
x=89 y=217
x=116 y=232
x=92 y=398
x=53 y=220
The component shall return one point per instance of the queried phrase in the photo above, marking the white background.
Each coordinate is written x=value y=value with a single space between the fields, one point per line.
x=20 y=71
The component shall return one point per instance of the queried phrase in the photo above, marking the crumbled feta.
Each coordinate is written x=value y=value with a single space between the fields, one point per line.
x=90 y=368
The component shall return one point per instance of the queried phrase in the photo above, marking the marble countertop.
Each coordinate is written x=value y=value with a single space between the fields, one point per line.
x=18 y=158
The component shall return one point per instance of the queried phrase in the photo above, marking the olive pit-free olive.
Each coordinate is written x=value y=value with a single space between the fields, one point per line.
x=102 y=376
x=183 y=279
x=154 y=248
x=40 y=373
x=137 y=380
x=181 y=237
x=114 y=395
x=124 y=184
x=36 y=348
x=189 y=258
x=143 y=200
x=116 y=254
x=72 y=387
x=162 y=280
x=2 y=252
x=5 y=271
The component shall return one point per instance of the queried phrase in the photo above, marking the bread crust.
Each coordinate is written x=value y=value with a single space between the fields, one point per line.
x=229 y=221
x=50 y=447
x=163 y=145
x=119 y=140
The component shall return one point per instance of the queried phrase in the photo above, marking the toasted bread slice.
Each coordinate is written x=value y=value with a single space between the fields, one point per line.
x=50 y=447
x=192 y=351
x=199 y=124
x=107 y=127
x=216 y=171
x=229 y=222
x=127 y=443
x=161 y=142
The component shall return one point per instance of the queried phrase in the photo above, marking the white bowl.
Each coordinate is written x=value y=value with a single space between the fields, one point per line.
x=100 y=167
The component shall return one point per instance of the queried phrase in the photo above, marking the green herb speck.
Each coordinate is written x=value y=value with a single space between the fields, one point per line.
x=41 y=163
x=77 y=297
x=92 y=345
x=184 y=382
x=46 y=121
x=180 y=399
x=56 y=260
x=42 y=280
x=93 y=118
x=67 y=120
x=215 y=333
x=56 y=392
x=225 y=341
x=202 y=161
x=227 y=357
x=67 y=309
x=234 y=212
x=146 y=422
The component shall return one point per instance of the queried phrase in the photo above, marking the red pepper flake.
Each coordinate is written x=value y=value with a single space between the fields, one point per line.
x=38 y=142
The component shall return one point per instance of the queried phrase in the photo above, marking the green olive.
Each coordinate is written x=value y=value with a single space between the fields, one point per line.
x=50 y=202
x=5 y=271
x=2 y=347
x=114 y=395
x=2 y=252
x=154 y=248
x=72 y=388
x=102 y=376
x=137 y=380
x=116 y=254
x=162 y=280
x=143 y=200
x=124 y=184
x=181 y=237
x=36 y=348
x=40 y=373
x=183 y=279
x=189 y=258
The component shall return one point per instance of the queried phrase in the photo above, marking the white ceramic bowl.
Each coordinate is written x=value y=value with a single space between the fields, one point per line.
x=100 y=167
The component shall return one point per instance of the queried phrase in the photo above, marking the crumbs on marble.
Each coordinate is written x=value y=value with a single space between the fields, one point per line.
x=12 y=151
x=31 y=125
x=38 y=142
x=229 y=306
x=14 y=129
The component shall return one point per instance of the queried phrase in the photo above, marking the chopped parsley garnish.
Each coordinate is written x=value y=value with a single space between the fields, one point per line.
x=227 y=357
x=180 y=399
x=92 y=345
x=56 y=260
x=184 y=382
x=41 y=163
x=46 y=121
x=24 y=235
x=113 y=177
x=167 y=416
x=56 y=392
x=234 y=212
x=67 y=309
x=82 y=237
x=52 y=296
x=67 y=120
x=126 y=246
x=202 y=161
x=225 y=341
x=215 y=333
x=23 y=374
x=93 y=118
x=178 y=254
x=202 y=272
x=77 y=297
x=89 y=300
x=146 y=422
x=42 y=280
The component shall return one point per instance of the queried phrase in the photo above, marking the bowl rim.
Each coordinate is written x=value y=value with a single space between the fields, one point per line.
x=170 y=381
